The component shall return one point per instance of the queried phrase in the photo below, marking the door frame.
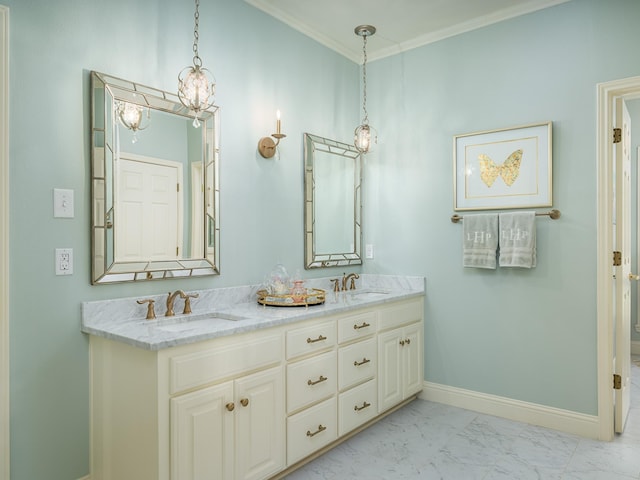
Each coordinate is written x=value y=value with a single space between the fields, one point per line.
x=4 y=243
x=606 y=96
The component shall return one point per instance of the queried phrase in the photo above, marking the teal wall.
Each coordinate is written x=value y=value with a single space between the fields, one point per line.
x=527 y=335
x=260 y=66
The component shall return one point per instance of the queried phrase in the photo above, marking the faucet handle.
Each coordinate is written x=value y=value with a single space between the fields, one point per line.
x=336 y=284
x=151 y=314
x=187 y=301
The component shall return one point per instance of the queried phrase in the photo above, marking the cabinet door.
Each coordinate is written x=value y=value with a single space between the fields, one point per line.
x=260 y=422
x=202 y=434
x=412 y=362
x=389 y=369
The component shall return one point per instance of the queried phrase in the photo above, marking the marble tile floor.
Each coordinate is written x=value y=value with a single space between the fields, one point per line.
x=427 y=440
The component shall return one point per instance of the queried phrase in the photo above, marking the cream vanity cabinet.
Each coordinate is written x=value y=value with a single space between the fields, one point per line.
x=400 y=353
x=254 y=405
x=209 y=410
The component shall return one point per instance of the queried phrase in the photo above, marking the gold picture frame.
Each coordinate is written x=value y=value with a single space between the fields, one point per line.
x=503 y=169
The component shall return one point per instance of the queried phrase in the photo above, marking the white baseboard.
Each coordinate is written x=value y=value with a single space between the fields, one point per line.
x=535 y=414
x=635 y=348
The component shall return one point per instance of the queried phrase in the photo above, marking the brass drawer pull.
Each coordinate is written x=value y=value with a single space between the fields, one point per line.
x=230 y=406
x=364 y=325
x=364 y=360
x=321 y=379
x=364 y=405
x=319 y=339
x=320 y=429
x=244 y=402
x=402 y=343
x=408 y=341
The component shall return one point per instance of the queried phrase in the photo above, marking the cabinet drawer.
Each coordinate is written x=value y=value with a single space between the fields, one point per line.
x=311 y=430
x=357 y=406
x=312 y=338
x=311 y=380
x=356 y=363
x=229 y=357
x=356 y=326
x=400 y=314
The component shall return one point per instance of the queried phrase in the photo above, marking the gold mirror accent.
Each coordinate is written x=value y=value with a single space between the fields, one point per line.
x=137 y=233
x=333 y=203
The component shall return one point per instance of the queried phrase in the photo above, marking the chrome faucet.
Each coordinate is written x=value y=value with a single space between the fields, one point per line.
x=346 y=278
x=170 y=299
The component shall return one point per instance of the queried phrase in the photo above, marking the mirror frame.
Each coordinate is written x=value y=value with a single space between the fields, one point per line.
x=314 y=259
x=106 y=89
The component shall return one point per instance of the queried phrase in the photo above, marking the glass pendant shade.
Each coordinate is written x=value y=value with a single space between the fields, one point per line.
x=131 y=116
x=362 y=139
x=196 y=90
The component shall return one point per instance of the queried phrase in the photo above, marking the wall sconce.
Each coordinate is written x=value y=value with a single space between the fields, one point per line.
x=266 y=145
x=131 y=116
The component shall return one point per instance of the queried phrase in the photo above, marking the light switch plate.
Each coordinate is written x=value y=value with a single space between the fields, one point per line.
x=62 y=203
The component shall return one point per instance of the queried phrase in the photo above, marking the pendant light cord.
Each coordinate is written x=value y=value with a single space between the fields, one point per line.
x=365 y=120
x=197 y=61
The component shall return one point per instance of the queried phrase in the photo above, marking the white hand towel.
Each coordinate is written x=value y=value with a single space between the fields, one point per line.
x=518 y=239
x=480 y=240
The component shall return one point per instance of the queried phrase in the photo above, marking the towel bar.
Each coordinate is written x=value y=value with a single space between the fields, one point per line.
x=554 y=214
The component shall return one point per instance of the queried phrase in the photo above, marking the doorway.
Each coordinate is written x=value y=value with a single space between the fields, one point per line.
x=607 y=95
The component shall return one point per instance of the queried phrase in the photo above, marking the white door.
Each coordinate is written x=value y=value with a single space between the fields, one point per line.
x=146 y=219
x=622 y=325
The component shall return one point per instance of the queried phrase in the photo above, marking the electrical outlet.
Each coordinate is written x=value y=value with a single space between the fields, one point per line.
x=368 y=250
x=64 y=261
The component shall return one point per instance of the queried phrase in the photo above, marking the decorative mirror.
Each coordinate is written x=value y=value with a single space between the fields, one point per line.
x=333 y=208
x=154 y=184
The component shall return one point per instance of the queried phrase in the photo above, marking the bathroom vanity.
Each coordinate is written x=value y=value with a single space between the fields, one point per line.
x=237 y=390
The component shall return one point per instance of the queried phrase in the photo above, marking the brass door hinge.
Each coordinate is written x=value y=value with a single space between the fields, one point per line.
x=617 y=135
x=617 y=258
x=617 y=381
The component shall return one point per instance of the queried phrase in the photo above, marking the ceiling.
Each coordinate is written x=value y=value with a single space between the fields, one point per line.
x=401 y=24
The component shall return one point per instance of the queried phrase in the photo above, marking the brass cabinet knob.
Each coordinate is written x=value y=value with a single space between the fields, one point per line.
x=230 y=406
x=244 y=402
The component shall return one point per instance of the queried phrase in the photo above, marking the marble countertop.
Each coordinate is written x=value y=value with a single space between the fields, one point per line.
x=227 y=311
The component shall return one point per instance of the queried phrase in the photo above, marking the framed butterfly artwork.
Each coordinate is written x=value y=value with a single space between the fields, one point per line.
x=503 y=169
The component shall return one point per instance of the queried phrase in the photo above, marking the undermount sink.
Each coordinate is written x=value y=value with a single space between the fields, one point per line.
x=193 y=322
x=368 y=294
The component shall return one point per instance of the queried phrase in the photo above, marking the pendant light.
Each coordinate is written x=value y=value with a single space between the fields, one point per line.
x=196 y=85
x=365 y=135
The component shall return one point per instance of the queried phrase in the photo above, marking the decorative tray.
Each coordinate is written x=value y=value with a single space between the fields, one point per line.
x=311 y=296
